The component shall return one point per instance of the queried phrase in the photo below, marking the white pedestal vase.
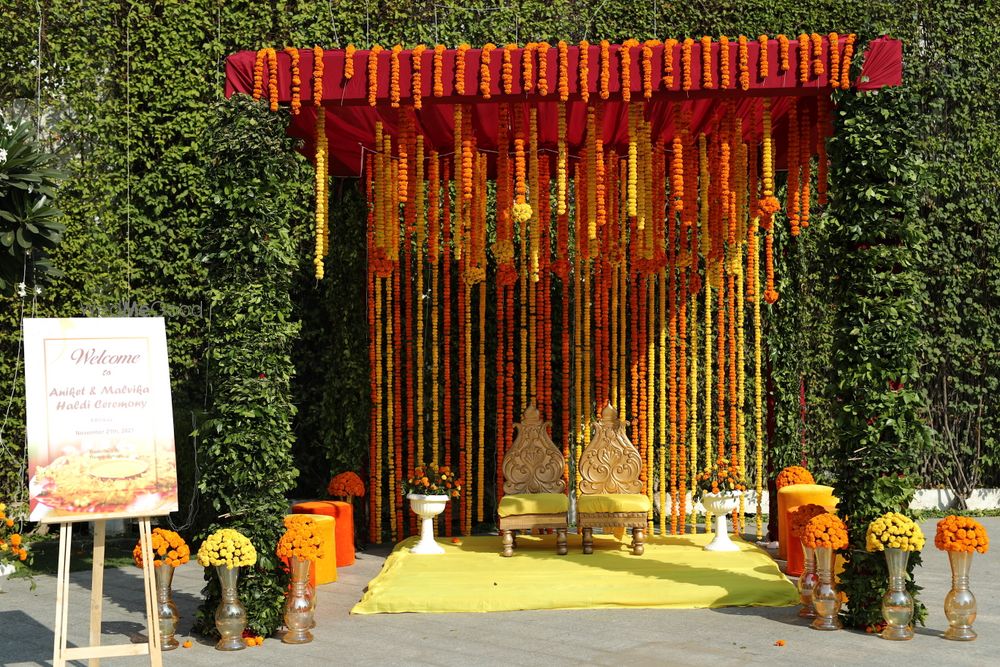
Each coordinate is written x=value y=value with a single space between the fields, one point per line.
x=6 y=569
x=427 y=507
x=721 y=505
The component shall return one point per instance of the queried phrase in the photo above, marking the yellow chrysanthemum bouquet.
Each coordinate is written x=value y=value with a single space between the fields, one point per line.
x=227 y=547
x=896 y=531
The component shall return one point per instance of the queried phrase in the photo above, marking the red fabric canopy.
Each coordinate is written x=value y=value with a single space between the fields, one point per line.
x=350 y=120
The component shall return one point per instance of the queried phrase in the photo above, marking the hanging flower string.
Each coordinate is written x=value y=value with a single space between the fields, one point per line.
x=349 y=62
x=373 y=74
x=416 y=80
x=296 y=87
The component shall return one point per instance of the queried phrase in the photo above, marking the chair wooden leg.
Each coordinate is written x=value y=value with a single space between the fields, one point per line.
x=638 y=537
x=588 y=540
x=561 y=547
x=508 y=543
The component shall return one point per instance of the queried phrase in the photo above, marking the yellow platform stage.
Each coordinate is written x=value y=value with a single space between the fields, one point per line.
x=674 y=573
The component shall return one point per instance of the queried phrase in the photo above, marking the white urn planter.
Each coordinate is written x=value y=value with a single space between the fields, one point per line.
x=721 y=505
x=6 y=569
x=427 y=507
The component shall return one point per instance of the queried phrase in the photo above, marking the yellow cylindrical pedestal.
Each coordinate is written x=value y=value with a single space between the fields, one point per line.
x=793 y=496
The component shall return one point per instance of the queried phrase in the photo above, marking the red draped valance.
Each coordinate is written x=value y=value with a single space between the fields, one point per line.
x=350 y=120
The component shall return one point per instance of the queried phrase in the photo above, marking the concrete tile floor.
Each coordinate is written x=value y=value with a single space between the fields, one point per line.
x=730 y=636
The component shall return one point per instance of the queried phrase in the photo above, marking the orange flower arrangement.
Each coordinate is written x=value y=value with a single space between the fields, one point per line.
x=349 y=62
x=169 y=548
x=762 y=64
x=11 y=542
x=706 y=62
x=825 y=531
x=301 y=539
x=433 y=481
x=346 y=484
x=668 y=63
x=416 y=80
x=686 y=64
x=725 y=477
x=438 y=66
x=782 y=53
x=296 y=103
x=484 y=70
x=794 y=475
x=373 y=74
x=802 y=515
x=961 y=533
x=584 y=70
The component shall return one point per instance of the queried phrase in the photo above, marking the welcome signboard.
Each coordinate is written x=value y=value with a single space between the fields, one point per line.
x=99 y=419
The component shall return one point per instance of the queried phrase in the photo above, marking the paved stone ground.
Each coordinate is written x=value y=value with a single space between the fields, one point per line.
x=730 y=636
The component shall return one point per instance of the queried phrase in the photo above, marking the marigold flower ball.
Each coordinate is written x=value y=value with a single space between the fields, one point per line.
x=962 y=534
x=794 y=475
x=896 y=531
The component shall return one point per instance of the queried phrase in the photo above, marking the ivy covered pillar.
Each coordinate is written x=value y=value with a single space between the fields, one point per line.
x=875 y=241
x=245 y=445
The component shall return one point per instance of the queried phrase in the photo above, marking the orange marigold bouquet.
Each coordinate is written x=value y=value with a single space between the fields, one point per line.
x=802 y=515
x=961 y=533
x=346 y=484
x=724 y=477
x=825 y=530
x=430 y=480
x=169 y=548
x=794 y=475
x=11 y=543
x=301 y=540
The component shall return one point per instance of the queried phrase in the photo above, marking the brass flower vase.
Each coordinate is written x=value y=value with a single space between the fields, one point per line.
x=230 y=615
x=298 y=604
x=807 y=582
x=897 y=603
x=166 y=610
x=825 y=599
x=960 y=603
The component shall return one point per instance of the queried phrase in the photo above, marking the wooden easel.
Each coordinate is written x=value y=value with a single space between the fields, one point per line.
x=94 y=652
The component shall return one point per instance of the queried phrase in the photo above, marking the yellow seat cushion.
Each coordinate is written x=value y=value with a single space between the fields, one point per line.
x=533 y=503
x=613 y=502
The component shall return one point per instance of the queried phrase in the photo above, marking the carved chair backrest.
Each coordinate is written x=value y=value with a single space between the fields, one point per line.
x=610 y=462
x=533 y=464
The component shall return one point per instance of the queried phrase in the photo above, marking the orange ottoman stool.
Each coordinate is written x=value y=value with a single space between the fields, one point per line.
x=344 y=514
x=324 y=568
x=793 y=496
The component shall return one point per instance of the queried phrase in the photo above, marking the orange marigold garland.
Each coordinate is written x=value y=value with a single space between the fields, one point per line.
x=484 y=70
x=528 y=67
x=543 y=68
x=394 y=92
x=792 y=196
x=647 y=67
x=605 y=69
x=744 y=63
x=460 y=68
x=803 y=55
x=668 y=63
x=563 y=71
x=725 y=78
x=817 y=54
x=783 y=65
x=625 y=70
x=349 y=62
x=373 y=74
x=834 y=40
x=416 y=80
x=686 y=64
x=437 y=75
x=296 y=103
x=258 y=74
x=583 y=66
x=507 y=69
x=762 y=57
x=272 y=78
x=706 y=62
x=845 y=68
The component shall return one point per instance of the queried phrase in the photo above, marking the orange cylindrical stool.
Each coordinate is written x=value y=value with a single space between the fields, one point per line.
x=796 y=559
x=324 y=569
x=793 y=496
x=344 y=514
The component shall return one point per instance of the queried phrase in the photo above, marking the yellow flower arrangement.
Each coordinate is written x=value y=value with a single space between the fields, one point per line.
x=894 y=530
x=227 y=547
x=169 y=548
x=300 y=539
x=961 y=533
x=432 y=480
x=825 y=530
x=11 y=543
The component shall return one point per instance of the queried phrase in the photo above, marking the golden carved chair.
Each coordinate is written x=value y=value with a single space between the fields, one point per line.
x=535 y=492
x=610 y=491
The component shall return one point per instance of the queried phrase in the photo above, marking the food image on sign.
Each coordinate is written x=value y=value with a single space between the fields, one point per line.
x=100 y=424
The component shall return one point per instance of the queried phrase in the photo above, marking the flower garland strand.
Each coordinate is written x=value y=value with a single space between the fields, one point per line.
x=322 y=220
x=605 y=69
x=744 y=63
x=258 y=73
x=794 y=164
x=373 y=74
x=845 y=68
x=296 y=103
x=484 y=70
x=817 y=54
x=783 y=64
x=834 y=40
x=460 y=64
x=583 y=70
x=528 y=67
x=625 y=68
x=349 y=62
x=686 y=64
x=706 y=62
x=416 y=79
x=272 y=79
x=725 y=78
x=507 y=69
x=762 y=57
x=668 y=63
x=803 y=56
x=543 y=68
